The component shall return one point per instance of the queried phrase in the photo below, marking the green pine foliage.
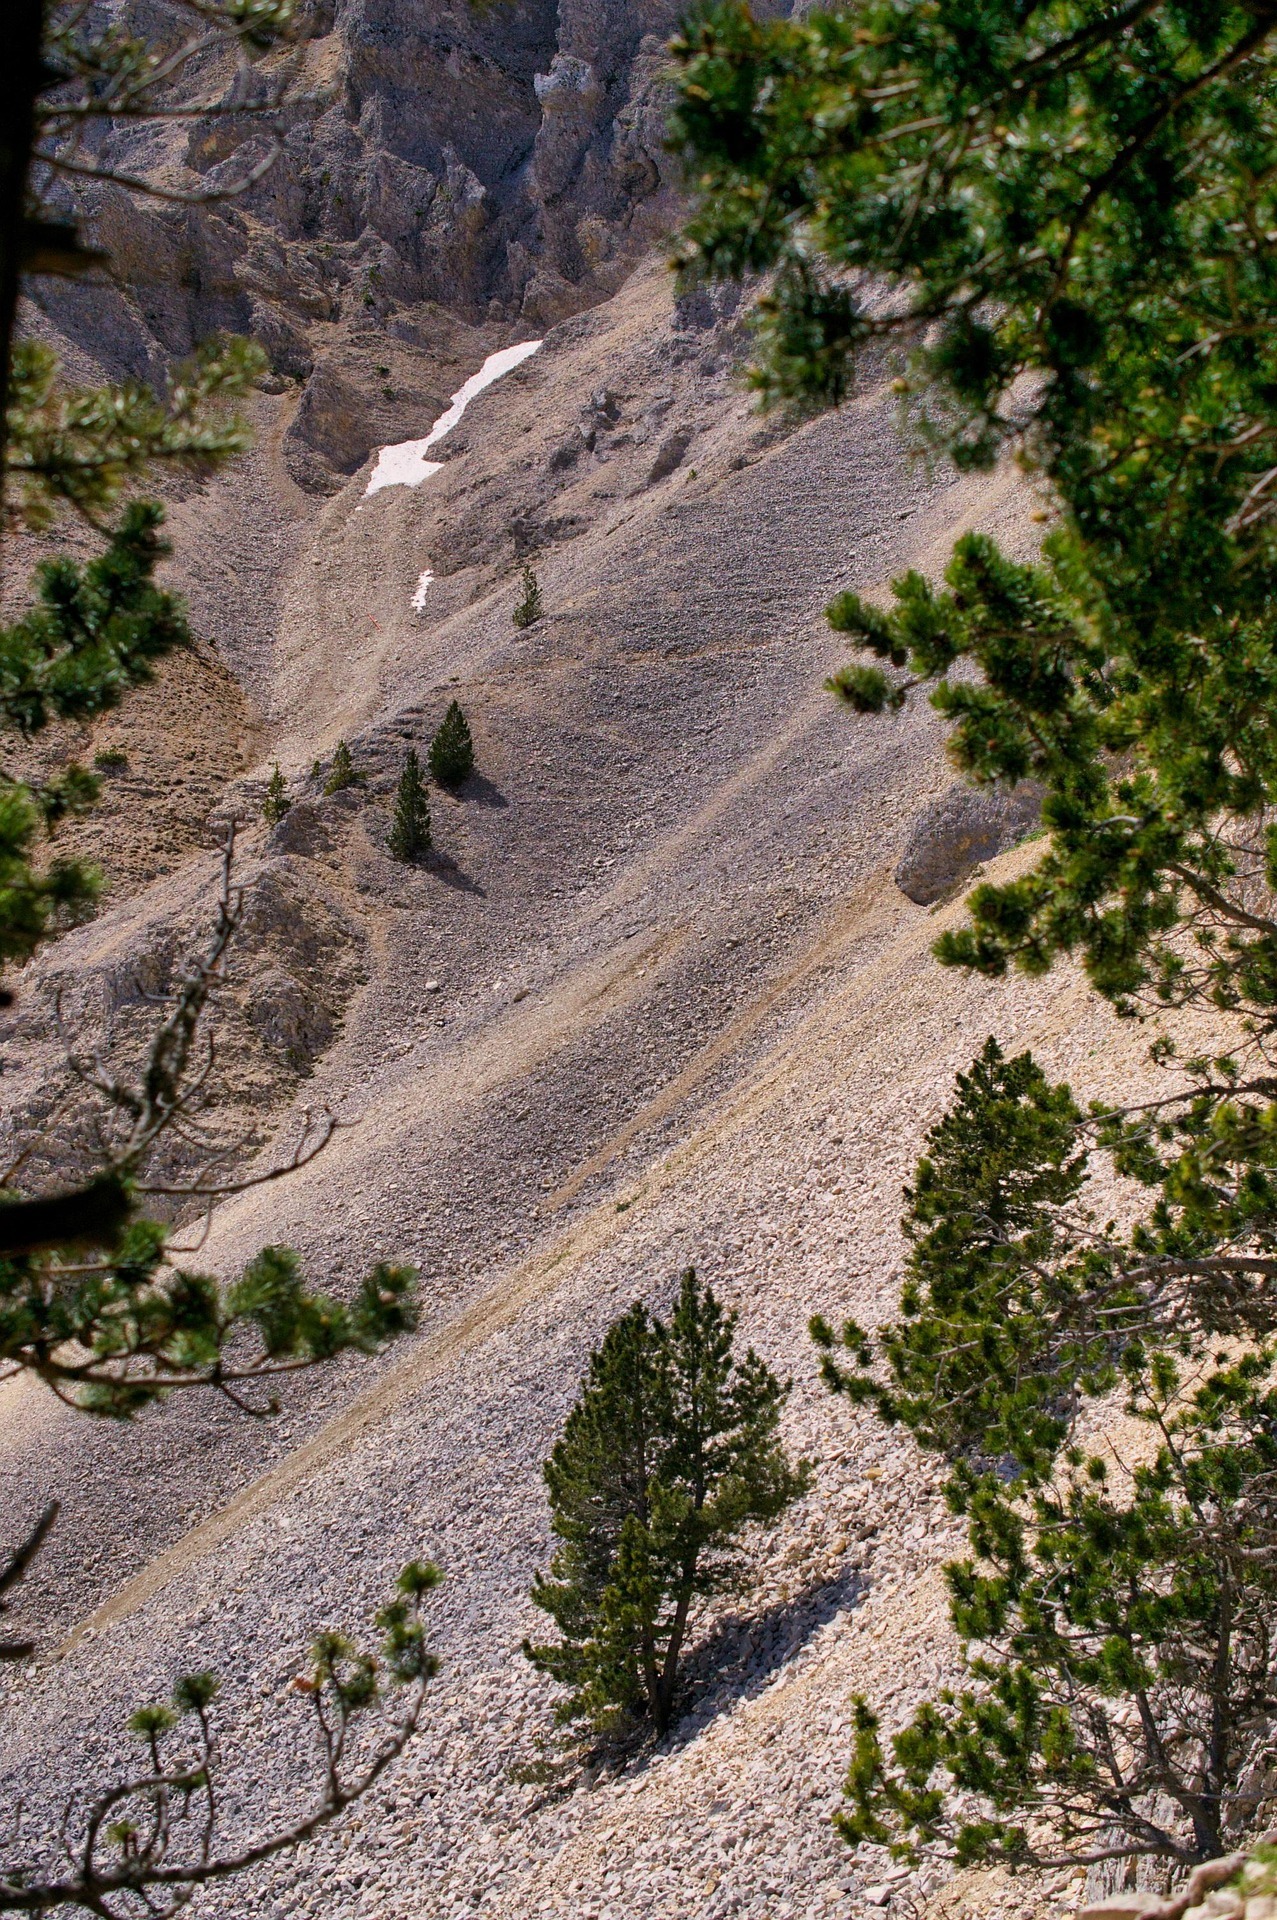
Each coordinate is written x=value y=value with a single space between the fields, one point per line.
x=451 y=756
x=1063 y=222
x=277 y=802
x=410 y=828
x=127 y=1330
x=993 y=1314
x=92 y=632
x=343 y=773
x=80 y=447
x=1124 y=1626
x=529 y=609
x=671 y=1451
x=1120 y=1702
x=1036 y=217
x=90 y=1301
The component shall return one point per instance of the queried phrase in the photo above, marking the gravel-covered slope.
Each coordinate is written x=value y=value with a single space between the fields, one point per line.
x=657 y=1001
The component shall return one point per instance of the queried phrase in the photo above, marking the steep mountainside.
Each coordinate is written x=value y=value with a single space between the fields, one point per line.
x=656 y=1000
x=491 y=164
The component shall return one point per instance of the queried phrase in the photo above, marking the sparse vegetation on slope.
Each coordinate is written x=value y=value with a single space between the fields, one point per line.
x=670 y=1453
x=343 y=773
x=528 y=608
x=410 y=827
x=277 y=802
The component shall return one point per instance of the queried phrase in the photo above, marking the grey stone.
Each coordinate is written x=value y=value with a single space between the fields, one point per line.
x=963 y=827
x=670 y=455
x=303 y=830
x=333 y=421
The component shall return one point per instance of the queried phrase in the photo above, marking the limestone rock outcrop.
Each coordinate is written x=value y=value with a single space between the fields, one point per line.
x=963 y=827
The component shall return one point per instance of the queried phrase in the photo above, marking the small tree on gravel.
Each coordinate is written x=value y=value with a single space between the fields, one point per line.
x=343 y=773
x=410 y=829
x=451 y=756
x=1122 y=1699
x=277 y=802
x=670 y=1452
x=529 y=609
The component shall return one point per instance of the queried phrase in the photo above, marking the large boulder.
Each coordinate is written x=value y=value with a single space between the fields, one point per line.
x=956 y=832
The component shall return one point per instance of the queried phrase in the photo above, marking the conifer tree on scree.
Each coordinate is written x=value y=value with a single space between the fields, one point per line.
x=671 y=1451
x=1062 y=219
x=93 y=1302
x=451 y=756
x=410 y=828
x=343 y=773
x=277 y=802
x=529 y=609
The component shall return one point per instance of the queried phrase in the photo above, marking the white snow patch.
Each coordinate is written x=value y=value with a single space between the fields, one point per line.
x=423 y=587
x=402 y=466
x=406 y=465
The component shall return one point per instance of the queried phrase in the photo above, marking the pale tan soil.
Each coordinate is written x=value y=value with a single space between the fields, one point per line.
x=658 y=1002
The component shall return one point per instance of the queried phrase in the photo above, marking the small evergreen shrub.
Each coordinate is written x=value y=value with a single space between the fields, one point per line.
x=111 y=760
x=277 y=802
x=672 y=1449
x=529 y=609
x=410 y=829
x=343 y=772
x=451 y=756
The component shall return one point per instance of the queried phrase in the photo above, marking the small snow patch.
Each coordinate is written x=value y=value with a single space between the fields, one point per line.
x=406 y=465
x=403 y=466
x=423 y=587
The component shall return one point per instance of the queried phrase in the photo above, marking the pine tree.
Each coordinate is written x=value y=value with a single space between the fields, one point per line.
x=671 y=1450
x=1065 y=208
x=343 y=773
x=451 y=757
x=410 y=829
x=1124 y=1623
x=529 y=609
x=277 y=802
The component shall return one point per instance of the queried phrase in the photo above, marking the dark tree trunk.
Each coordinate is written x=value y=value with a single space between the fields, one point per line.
x=667 y=1688
x=19 y=85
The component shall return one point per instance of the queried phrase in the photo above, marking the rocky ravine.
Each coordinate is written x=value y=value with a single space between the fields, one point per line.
x=658 y=1001
x=662 y=1003
x=446 y=166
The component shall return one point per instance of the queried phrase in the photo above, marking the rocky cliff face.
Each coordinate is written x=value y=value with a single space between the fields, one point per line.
x=496 y=165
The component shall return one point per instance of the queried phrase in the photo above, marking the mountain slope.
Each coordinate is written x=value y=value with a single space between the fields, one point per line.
x=659 y=1002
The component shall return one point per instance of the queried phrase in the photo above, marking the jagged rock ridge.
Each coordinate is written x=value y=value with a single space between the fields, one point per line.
x=498 y=165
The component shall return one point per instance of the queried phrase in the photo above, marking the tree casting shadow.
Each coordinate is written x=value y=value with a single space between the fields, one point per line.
x=483 y=792
x=447 y=870
x=740 y=1654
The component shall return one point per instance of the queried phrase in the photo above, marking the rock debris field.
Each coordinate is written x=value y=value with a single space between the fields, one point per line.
x=655 y=1001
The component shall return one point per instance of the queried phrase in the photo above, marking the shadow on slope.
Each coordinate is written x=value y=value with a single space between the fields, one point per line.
x=744 y=1652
